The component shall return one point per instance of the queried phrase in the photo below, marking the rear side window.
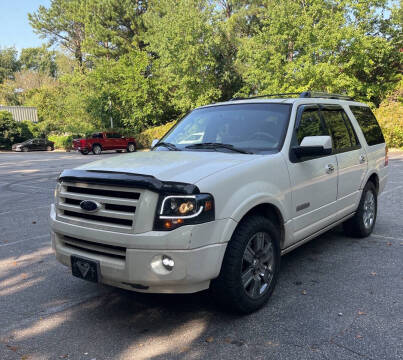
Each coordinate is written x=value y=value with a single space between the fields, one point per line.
x=368 y=124
x=334 y=120
x=310 y=124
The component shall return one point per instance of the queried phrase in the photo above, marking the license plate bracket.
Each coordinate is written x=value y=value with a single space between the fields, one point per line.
x=86 y=269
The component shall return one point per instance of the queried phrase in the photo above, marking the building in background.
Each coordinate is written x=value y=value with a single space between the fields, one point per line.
x=21 y=113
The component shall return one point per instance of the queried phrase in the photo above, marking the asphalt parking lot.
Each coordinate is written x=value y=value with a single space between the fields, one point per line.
x=337 y=298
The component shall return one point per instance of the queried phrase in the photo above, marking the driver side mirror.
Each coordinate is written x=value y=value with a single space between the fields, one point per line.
x=313 y=146
x=154 y=142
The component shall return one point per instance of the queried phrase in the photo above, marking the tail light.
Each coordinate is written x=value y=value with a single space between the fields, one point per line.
x=386 y=156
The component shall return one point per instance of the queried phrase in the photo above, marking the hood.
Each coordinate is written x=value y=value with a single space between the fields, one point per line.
x=180 y=166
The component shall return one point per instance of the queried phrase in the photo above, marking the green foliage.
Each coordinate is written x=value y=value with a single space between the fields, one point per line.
x=145 y=62
x=8 y=63
x=12 y=131
x=62 y=23
x=39 y=59
x=390 y=117
x=321 y=45
x=64 y=142
x=145 y=138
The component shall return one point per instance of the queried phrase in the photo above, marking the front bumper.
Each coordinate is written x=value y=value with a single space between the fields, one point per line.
x=196 y=250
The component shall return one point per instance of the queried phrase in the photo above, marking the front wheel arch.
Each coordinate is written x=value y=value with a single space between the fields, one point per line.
x=270 y=212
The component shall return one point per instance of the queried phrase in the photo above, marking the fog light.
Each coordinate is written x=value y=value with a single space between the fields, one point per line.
x=168 y=262
x=162 y=264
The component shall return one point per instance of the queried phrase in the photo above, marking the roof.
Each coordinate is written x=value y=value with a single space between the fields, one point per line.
x=21 y=113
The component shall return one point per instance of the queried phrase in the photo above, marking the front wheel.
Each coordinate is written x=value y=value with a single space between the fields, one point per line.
x=96 y=149
x=363 y=222
x=84 y=152
x=49 y=148
x=250 y=267
x=131 y=148
x=25 y=149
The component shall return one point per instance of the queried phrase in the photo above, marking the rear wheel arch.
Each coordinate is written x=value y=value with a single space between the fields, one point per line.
x=375 y=180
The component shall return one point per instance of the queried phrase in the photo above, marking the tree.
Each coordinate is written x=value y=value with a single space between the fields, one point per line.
x=8 y=63
x=39 y=59
x=319 y=45
x=181 y=37
x=62 y=23
x=114 y=27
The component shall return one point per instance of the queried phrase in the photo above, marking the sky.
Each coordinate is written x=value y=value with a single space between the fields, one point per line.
x=14 y=26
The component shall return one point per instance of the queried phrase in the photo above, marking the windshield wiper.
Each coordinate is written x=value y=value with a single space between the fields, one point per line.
x=213 y=145
x=169 y=146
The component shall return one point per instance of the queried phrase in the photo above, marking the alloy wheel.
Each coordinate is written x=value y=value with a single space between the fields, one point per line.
x=258 y=265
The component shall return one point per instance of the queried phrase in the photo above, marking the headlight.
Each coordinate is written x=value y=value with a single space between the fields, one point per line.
x=177 y=210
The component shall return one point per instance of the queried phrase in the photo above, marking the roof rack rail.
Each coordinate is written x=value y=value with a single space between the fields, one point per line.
x=313 y=94
x=305 y=94
x=263 y=96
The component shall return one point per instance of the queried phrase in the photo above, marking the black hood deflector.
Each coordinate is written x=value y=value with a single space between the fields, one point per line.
x=128 y=180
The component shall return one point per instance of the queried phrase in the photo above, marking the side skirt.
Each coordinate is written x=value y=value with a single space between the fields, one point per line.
x=314 y=235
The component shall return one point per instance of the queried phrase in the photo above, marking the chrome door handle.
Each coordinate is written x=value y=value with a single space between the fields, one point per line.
x=362 y=159
x=329 y=168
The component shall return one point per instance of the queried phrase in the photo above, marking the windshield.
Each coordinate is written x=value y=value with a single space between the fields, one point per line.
x=252 y=127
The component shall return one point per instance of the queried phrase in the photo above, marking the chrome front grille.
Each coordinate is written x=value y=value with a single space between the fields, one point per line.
x=118 y=210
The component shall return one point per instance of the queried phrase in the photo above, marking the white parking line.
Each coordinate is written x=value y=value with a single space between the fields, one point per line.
x=386 y=237
x=389 y=191
x=24 y=240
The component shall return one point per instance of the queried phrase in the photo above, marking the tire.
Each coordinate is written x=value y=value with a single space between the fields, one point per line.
x=249 y=292
x=25 y=149
x=49 y=148
x=363 y=222
x=131 y=148
x=96 y=149
x=84 y=152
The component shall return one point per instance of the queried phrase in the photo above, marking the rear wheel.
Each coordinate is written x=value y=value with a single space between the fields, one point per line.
x=131 y=148
x=250 y=267
x=363 y=222
x=49 y=148
x=96 y=149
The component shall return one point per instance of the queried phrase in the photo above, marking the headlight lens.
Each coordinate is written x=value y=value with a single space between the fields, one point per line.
x=178 y=210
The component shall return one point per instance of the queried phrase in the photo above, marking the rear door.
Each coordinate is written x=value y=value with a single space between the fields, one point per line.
x=351 y=157
x=314 y=179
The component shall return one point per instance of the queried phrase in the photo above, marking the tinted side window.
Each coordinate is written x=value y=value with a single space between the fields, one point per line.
x=310 y=125
x=337 y=127
x=353 y=135
x=368 y=124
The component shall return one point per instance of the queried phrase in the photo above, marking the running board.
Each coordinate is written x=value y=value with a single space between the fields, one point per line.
x=314 y=235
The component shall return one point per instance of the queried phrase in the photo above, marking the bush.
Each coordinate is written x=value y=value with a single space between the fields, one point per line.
x=63 y=141
x=390 y=117
x=11 y=131
x=145 y=138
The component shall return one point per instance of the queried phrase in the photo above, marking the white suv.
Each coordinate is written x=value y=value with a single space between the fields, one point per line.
x=267 y=176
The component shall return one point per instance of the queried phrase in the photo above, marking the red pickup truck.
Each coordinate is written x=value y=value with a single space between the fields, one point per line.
x=104 y=141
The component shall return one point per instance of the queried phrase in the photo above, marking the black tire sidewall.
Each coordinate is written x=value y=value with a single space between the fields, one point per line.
x=363 y=231
x=228 y=286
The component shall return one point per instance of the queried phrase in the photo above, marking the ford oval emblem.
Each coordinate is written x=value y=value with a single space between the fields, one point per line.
x=89 y=205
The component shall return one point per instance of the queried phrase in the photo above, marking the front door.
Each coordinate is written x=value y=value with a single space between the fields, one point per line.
x=313 y=180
